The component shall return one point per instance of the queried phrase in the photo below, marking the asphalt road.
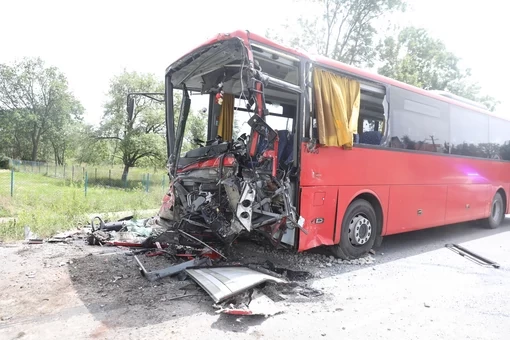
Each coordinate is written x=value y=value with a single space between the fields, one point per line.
x=417 y=289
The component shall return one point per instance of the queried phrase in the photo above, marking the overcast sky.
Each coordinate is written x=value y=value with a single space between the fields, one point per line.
x=90 y=41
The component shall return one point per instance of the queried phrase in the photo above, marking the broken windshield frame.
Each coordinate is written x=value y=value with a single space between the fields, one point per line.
x=221 y=61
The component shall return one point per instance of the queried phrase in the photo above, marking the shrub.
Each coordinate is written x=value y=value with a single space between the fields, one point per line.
x=4 y=162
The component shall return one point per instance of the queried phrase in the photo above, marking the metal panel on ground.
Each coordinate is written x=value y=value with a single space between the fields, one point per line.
x=224 y=282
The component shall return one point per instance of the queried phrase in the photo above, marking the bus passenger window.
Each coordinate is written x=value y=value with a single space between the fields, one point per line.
x=371 y=117
x=370 y=131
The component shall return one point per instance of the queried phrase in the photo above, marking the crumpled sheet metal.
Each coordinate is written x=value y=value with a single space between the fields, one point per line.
x=222 y=283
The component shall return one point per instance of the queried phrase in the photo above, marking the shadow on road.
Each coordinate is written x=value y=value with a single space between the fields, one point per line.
x=115 y=293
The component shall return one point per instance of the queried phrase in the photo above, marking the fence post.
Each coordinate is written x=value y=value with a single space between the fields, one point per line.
x=12 y=182
x=55 y=171
x=39 y=167
x=64 y=171
x=72 y=174
x=95 y=175
x=147 y=183
x=83 y=173
x=86 y=183
x=47 y=169
x=110 y=177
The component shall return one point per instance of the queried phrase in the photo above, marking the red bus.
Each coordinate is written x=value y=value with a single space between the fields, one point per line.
x=362 y=156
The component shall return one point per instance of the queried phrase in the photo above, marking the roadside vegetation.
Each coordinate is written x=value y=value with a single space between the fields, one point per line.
x=49 y=205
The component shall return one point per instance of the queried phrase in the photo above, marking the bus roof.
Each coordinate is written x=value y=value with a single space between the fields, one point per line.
x=247 y=37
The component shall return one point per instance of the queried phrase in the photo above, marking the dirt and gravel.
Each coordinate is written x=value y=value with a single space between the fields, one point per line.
x=53 y=291
x=35 y=281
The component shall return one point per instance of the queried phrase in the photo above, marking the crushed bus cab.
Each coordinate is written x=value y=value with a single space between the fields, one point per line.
x=364 y=156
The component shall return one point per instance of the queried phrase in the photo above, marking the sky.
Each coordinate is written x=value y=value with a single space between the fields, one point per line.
x=91 y=41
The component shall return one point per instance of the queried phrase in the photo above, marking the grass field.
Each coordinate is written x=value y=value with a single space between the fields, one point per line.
x=97 y=175
x=48 y=205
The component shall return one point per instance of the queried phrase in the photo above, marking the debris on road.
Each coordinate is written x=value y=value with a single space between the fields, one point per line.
x=222 y=283
x=247 y=276
x=478 y=259
x=251 y=303
x=172 y=270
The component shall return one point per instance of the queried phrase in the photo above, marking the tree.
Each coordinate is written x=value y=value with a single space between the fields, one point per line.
x=142 y=135
x=64 y=141
x=38 y=102
x=89 y=149
x=196 y=127
x=340 y=29
x=416 y=58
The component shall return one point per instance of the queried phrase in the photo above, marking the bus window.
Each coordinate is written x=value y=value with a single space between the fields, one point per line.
x=418 y=123
x=371 y=117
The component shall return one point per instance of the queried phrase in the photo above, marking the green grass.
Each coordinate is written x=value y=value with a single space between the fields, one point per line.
x=48 y=205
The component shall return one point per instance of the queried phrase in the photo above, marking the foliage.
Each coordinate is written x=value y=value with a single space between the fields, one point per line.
x=416 y=58
x=142 y=135
x=343 y=30
x=196 y=128
x=36 y=107
x=4 y=162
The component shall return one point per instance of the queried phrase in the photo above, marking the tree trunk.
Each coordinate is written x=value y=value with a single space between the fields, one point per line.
x=34 y=151
x=125 y=173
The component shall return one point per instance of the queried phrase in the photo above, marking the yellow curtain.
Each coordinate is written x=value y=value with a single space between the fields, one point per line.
x=226 y=121
x=337 y=101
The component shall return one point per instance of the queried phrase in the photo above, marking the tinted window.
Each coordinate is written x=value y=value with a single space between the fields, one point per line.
x=469 y=133
x=417 y=122
x=499 y=137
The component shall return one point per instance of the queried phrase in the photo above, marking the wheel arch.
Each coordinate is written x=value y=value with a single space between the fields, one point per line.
x=502 y=191
x=372 y=198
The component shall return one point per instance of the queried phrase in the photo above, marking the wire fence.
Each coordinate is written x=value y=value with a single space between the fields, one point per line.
x=86 y=176
x=47 y=197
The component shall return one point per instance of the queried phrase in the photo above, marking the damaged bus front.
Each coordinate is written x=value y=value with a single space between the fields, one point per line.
x=229 y=185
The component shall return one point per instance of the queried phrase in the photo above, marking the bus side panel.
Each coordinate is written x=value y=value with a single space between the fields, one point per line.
x=481 y=196
x=467 y=202
x=318 y=208
x=414 y=207
x=347 y=194
x=364 y=168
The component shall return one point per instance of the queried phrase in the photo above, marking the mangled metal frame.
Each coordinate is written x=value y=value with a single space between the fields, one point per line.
x=231 y=187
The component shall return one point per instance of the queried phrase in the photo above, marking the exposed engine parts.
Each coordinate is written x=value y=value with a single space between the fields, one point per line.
x=220 y=188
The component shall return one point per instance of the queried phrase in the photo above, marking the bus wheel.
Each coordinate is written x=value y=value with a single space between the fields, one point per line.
x=497 y=212
x=359 y=231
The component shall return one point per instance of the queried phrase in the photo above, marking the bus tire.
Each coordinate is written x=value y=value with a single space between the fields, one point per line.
x=359 y=231
x=497 y=213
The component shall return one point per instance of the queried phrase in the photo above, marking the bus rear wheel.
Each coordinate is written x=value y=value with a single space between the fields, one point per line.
x=359 y=231
x=497 y=213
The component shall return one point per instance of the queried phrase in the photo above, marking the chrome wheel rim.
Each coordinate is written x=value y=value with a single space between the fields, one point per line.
x=360 y=230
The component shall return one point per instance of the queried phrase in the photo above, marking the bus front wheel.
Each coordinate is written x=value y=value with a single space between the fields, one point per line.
x=497 y=213
x=359 y=231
